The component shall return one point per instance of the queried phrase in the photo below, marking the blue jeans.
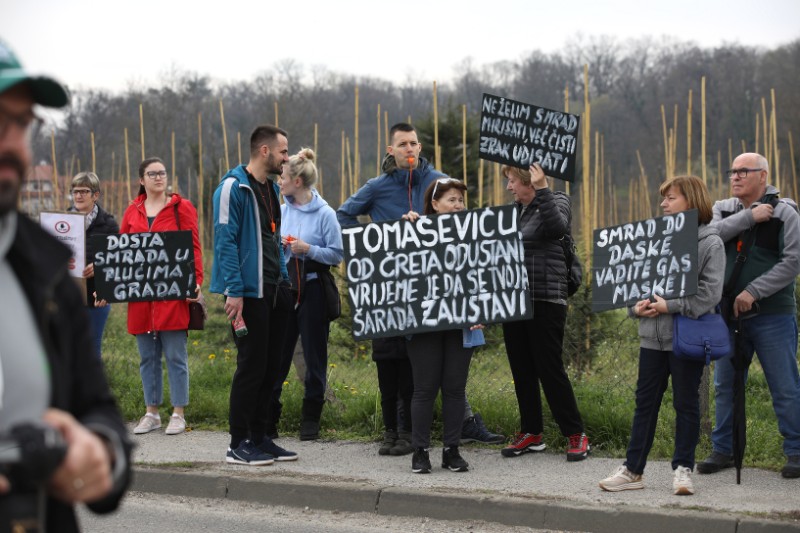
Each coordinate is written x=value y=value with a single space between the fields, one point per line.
x=655 y=368
x=97 y=319
x=173 y=345
x=774 y=338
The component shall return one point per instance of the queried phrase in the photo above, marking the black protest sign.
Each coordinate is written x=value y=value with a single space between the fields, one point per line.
x=143 y=267
x=440 y=272
x=519 y=134
x=633 y=261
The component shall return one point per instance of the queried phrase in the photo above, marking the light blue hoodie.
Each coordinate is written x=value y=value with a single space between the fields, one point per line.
x=316 y=224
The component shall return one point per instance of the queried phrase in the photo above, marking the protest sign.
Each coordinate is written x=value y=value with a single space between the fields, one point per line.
x=519 y=134
x=440 y=272
x=635 y=260
x=70 y=229
x=143 y=267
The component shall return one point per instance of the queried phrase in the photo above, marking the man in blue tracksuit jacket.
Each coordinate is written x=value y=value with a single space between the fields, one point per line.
x=400 y=189
x=250 y=271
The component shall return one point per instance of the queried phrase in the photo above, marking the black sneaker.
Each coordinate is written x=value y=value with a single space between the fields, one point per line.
x=474 y=430
x=714 y=463
x=453 y=461
x=420 y=462
x=280 y=454
x=389 y=439
x=791 y=469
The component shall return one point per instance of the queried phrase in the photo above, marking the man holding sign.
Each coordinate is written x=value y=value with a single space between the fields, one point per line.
x=400 y=189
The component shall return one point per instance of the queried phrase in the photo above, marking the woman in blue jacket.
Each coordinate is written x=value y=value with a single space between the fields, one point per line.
x=312 y=240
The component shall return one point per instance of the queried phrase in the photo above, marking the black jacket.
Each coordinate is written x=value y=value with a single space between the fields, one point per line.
x=78 y=382
x=543 y=223
x=103 y=224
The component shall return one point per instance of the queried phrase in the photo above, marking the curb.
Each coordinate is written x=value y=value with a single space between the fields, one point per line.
x=360 y=497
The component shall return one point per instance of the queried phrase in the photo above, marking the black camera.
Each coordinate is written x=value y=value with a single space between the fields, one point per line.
x=29 y=454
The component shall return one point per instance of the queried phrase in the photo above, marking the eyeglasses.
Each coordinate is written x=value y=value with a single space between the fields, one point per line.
x=153 y=174
x=442 y=181
x=81 y=192
x=27 y=122
x=741 y=173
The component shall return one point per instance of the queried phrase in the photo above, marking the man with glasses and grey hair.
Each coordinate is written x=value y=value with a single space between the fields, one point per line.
x=765 y=229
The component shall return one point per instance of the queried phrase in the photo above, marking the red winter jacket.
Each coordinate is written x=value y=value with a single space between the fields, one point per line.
x=165 y=315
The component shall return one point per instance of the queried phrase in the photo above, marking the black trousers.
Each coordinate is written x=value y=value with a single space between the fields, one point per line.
x=257 y=363
x=438 y=361
x=534 y=354
x=309 y=322
x=397 y=387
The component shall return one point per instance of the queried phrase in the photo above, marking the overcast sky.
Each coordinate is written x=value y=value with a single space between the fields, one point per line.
x=91 y=44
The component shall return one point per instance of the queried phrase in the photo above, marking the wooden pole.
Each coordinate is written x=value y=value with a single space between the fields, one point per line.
x=174 y=176
x=758 y=129
x=56 y=191
x=276 y=114
x=199 y=176
x=703 y=127
x=674 y=145
x=667 y=172
x=566 y=110
x=436 y=153
x=239 y=143
x=767 y=147
x=141 y=128
x=596 y=184
x=585 y=193
x=378 y=144
x=794 y=169
x=350 y=174
x=776 y=164
x=689 y=136
x=94 y=157
x=356 y=158
x=385 y=131
x=316 y=154
x=480 y=183
x=127 y=166
x=224 y=134
x=464 y=149
x=730 y=150
x=343 y=181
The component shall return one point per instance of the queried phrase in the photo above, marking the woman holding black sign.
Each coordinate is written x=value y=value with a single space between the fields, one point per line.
x=312 y=239
x=440 y=360
x=161 y=326
x=657 y=362
x=534 y=346
x=85 y=193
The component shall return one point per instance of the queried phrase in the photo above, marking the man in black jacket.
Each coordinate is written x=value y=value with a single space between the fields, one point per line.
x=48 y=372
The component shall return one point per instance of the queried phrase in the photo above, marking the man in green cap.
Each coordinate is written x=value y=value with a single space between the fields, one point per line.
x=49 y=377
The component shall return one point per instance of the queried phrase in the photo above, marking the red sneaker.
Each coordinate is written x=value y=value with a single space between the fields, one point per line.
x=578 y=447
x=524 y=443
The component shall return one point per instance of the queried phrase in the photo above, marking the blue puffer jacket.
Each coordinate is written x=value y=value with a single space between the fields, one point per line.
x=238 y=254
x=386 y=197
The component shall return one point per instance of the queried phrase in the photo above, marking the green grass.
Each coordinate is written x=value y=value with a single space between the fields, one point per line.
x=604 y=388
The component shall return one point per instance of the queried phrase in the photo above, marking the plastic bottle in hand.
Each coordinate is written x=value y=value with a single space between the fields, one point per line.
x=239 y=327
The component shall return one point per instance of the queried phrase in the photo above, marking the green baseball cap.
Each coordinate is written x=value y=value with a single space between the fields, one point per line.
x=45 y=91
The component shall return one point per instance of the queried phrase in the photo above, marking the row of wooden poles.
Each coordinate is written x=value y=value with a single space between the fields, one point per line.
x=598 y=197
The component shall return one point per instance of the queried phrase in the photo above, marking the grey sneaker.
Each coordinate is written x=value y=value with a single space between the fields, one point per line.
x=147 y=424
x=682 y=482
x=177 y=425
x=714 y=463
x=791 y=469
x=622 y=479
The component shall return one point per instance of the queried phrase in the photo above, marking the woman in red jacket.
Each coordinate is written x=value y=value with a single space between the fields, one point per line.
x=161 y=326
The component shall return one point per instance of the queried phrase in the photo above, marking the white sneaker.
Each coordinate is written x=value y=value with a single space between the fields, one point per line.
x=177 y=425
x=682 y=482
x=147 y=423
x=622 y=479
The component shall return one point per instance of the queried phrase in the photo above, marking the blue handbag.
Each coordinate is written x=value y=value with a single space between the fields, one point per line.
x=705 y=338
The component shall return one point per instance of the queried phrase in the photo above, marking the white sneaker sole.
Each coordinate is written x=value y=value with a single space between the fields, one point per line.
x=633 y=485
x=235 y=461
x=142 y=431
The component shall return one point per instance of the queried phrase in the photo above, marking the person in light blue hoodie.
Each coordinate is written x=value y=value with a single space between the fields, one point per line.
x=440 y=359
x=312 y=240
